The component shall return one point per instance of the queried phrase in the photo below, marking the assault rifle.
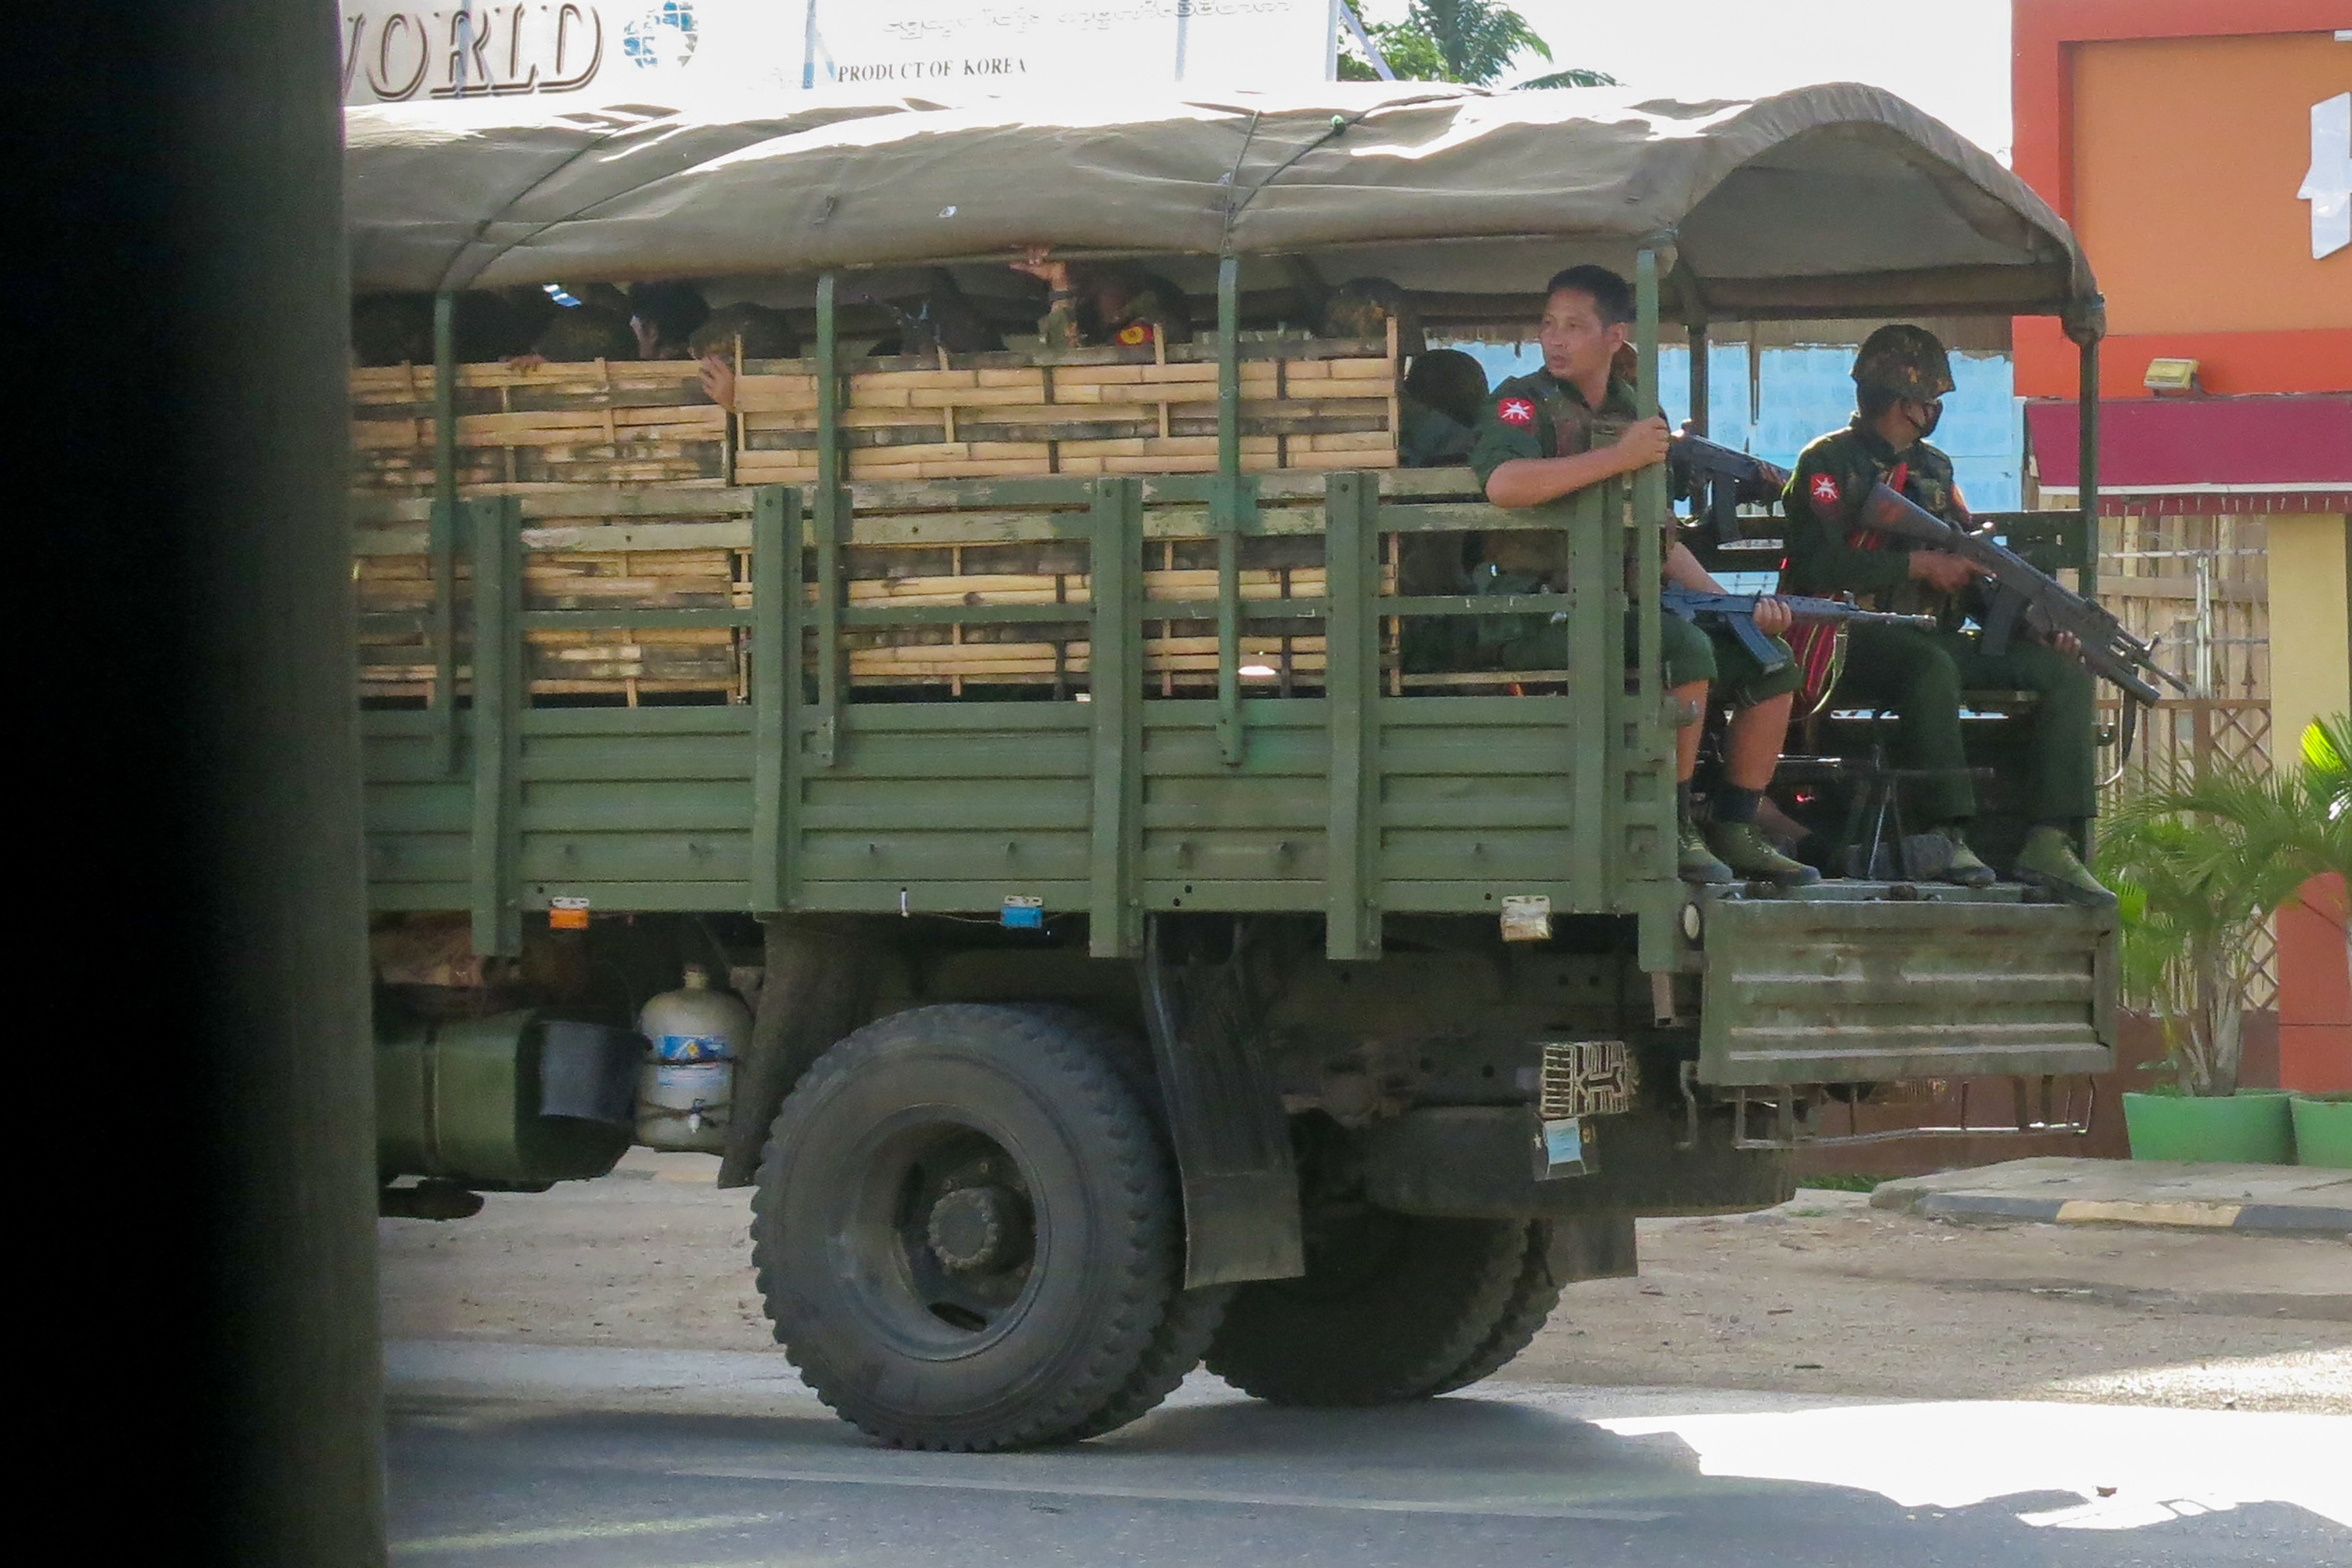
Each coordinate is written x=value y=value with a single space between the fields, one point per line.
x=1737 y=611
x=2017 y=593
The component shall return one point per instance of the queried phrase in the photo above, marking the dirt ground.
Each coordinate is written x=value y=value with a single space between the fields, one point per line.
x=1824 y=1295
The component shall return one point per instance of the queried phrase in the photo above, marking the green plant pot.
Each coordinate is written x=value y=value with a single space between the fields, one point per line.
x=2238 y=1128
x=2323 y=1132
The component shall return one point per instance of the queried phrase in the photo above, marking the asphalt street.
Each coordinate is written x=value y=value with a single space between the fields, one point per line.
x=517 y=1456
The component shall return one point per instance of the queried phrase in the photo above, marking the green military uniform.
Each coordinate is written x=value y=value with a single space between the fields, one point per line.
x=1535 y=416
x=1427 y=439
x=1155 y=309
x=1922 y=674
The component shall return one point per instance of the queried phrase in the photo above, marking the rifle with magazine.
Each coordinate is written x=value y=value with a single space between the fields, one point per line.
x=2016 y=593
x=1737 y=611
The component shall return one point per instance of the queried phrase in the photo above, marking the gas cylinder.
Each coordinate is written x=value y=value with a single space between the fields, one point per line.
x=687 y=1082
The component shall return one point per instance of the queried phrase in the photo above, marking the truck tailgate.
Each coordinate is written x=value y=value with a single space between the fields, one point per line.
x=1802 y=992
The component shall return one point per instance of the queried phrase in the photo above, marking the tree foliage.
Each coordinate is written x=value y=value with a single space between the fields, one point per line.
x=1470 y=41
x=2198 y=869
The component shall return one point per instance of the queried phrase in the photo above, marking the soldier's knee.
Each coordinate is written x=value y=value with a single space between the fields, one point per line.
x=1934 y=679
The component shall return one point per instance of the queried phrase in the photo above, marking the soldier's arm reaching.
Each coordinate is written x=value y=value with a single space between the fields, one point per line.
x=1532 y=481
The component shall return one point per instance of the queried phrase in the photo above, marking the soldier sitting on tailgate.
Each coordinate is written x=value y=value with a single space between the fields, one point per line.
x=1900 y=378
x=1575 y=423
x=1099 y=304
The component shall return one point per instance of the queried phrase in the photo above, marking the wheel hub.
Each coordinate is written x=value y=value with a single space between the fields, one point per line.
x=970 y=1228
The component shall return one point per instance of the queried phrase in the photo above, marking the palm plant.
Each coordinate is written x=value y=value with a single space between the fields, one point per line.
x=1471 y=41
x=2198 y=869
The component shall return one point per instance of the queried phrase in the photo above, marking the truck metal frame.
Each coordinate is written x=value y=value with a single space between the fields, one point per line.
x=1278 y=919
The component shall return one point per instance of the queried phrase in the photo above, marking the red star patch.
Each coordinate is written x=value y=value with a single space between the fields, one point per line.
x=1825 y=490
x=1516 y=411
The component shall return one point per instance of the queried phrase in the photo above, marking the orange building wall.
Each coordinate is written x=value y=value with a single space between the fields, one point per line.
x=2316 y=1009
x=2173 y=135
x=2188 y=154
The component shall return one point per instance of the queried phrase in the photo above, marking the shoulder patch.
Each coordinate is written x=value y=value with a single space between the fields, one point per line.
x=1824 y=489
x=1135 y=335
x=1515 y=411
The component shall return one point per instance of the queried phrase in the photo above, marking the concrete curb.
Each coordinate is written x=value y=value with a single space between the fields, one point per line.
x=2268 y=1219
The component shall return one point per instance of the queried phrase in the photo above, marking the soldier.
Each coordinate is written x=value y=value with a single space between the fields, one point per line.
x=1438 y=409
x=1900 y=378
x=1437 y=406
x=743 y=331
x=1536 y=443
x=664 y=317
x=1091 y=305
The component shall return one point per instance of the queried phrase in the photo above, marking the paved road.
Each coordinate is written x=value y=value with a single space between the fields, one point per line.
x=516 y=1457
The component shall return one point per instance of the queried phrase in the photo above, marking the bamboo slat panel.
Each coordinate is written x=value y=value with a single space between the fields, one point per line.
x=1309 y=406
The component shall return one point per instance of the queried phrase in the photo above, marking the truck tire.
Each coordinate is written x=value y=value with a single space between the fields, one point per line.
x=1533 y=1296
x=1392 y=1307
x=1183 y=1338
x=966 y=1233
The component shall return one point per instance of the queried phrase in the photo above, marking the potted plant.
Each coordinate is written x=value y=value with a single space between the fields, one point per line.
x=2196 y=870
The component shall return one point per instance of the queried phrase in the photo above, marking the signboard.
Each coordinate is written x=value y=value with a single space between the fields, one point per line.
x=612 y=51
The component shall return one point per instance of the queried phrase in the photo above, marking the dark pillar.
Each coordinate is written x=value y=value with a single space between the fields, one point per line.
x=204 y=914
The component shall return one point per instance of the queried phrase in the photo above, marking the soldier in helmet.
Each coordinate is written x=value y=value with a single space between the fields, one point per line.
x=1095 y=305
x=1900 y=378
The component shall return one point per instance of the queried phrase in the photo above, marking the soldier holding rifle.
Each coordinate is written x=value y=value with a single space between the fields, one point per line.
x=1900 y=378
x=1540 y=440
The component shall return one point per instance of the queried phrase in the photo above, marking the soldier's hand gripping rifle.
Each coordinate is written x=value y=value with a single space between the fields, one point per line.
x=1737 y=611
x=2017 y=593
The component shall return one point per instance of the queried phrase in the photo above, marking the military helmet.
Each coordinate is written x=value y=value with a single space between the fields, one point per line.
x=1364 y=307
x=1906 y=361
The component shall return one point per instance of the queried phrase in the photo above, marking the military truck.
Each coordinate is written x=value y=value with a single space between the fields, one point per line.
x=1153 y=961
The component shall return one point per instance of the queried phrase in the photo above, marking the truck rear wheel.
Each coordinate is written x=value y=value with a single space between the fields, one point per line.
x=966 y=1232
x=1533 y=1296
x=1392 y=1307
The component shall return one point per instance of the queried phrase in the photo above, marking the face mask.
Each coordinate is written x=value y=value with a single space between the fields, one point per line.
x=1934 y=416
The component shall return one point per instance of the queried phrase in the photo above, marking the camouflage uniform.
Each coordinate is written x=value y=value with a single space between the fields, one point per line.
x=1922 y=674
x=1154 y=309
x=1535 y=416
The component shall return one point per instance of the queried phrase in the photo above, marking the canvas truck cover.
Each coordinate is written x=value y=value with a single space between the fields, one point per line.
x=1838 y=199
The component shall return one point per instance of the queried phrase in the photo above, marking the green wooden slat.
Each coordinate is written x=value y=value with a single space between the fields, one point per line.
x=1642 y=801
x=601 y=807
x=893 y=858
x=562 y=861
x=978 y=762
x=497 y=694
x=441 y=532
x=626 y=724
x=1595 y=636
x=960 y=719
x=775 y=681
x=1114 y=681
x=1248 y=609
x=441 y=544
x=1476 y=605
x=968 y=615
x=627 y=620
x=598 y=759
x=1226 y=507
x=830 y=521
x=1352 y=913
